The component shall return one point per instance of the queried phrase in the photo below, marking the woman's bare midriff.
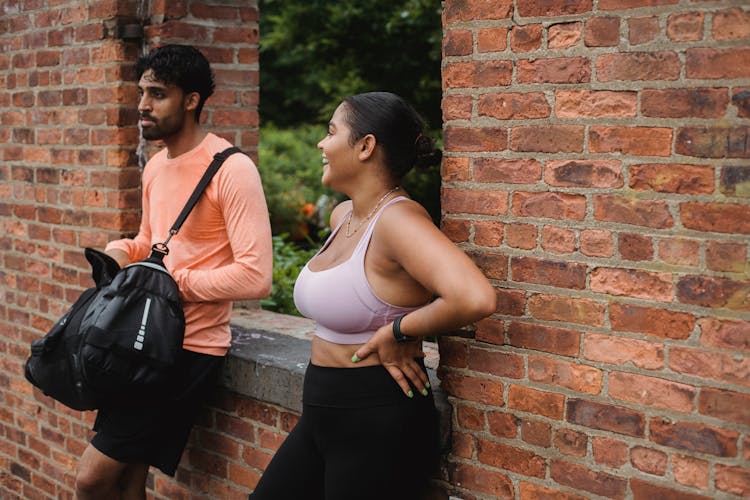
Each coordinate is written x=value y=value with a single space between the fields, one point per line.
x=326 y=353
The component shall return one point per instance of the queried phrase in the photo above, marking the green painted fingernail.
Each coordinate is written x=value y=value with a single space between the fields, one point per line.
x=424 y=392
x=410 y=394
x=355 y=359
x=427 y=385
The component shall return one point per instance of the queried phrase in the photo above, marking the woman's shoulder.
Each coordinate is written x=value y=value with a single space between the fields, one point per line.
x=339 y=211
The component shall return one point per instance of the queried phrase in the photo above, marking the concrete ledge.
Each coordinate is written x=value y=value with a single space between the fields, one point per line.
x=269 y=355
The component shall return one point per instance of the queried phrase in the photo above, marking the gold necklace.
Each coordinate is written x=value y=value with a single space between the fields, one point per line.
x=369 y=216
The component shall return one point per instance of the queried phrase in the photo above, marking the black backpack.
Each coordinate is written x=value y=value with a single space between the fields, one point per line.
x=118 y=343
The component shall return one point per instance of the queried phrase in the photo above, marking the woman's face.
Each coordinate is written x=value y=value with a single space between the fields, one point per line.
x=339 y=155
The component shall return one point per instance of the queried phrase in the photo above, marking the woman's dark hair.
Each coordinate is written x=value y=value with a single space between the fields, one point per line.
x=397 y=127
x=180 y=65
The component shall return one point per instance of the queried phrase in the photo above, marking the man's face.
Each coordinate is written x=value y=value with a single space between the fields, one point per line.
x=161 y=108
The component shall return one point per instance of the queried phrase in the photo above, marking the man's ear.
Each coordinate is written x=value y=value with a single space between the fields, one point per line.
x=191 y=101
x=366 y=147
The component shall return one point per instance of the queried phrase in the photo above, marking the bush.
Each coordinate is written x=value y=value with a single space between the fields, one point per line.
x=288 y=261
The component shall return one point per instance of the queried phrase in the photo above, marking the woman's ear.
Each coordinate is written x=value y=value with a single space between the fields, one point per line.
x=366 y=147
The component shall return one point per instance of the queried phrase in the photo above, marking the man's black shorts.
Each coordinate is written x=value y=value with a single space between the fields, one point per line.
x=157 y=434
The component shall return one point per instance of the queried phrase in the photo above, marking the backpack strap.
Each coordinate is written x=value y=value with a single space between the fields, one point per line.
x=159 y=250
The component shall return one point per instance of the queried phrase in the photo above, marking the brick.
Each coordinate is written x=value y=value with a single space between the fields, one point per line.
x=725 y=333
x=679 y=251
x=499 y=364
x=462 y=445
x=502 y=424
x=712 y=365
x=552 y=273
x=457 y=107
x=472 y=10
x=602 y=32
x=488 y=233
x=581 y=478
x=726 y=405
x=651 y=391
x=510 y=458
x=481 y=480
x=641 y=141
x=473 y=74
x=711 y=63
x=654 y=322
x=458 y=43
x=544 y=338
x=731 y=24
x=642 y=30
x=547 y=138
x=643 y=490
x=634 y=211
x=525 y=38
x=726 y=256
x=638 y=66
x=690 y=471
x=714 y=292
x=521 y=236
x=596 y=243
x=547 y=404
x=511 y=302
x=714 y=142
x=529 y=491
x=458 y=230
x=551 y=8
x=635 y=247
x=685 y=103
x=574 y=376
x=609 y=452
x=606 y=417
x=470 y=417
x=491 y=331
x=564 y=35
x=584 y=173
x=673 y=178
x=715 y=217
x=536 y=432
x=475 y=139
x=570 y=442
x=493 y=39
x=566 y=309
x=621 y=351
x=452 y=352
x=685 y=26
x=554 y=205
x=554 y=70
x=735 y=180
x=455 y=169
x=595 y=103
x=734 y=480
x=493 y=265
x=504 y=170
x=695 y=437
x=632 y=283
x=484 y=391
x=484 y=202
x=514 y=105
x=558 y=240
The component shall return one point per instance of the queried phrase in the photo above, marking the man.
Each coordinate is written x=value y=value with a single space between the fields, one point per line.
x=222 y=253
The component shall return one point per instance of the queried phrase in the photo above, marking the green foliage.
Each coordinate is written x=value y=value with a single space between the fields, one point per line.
x=315 y=52
x=290 y=166
x=288 y=260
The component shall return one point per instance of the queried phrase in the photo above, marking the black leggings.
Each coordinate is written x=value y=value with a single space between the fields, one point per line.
x=359 y=437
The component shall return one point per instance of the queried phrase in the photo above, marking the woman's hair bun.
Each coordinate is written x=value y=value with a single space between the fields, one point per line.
x=426 y=153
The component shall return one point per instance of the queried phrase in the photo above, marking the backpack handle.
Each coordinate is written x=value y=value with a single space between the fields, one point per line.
x=159 y=250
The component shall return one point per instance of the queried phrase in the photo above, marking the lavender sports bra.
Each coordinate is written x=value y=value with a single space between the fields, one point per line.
x=340 y=299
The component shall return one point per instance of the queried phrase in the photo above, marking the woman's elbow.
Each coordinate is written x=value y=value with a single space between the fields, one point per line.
x=480 y=301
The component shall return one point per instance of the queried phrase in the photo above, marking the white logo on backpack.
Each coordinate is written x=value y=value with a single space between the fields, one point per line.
x=142 y=330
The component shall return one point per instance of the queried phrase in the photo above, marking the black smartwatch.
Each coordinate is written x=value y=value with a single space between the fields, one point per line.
x=400 y=337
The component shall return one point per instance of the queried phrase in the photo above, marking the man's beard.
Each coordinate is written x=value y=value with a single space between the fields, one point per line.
x=156 y=132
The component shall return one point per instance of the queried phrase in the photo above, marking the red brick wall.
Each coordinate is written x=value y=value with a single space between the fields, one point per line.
x=597 y=170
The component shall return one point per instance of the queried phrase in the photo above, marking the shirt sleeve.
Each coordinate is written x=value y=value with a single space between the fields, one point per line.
x=243 y=207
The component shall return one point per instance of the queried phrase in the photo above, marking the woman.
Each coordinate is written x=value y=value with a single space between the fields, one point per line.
x=385 y=278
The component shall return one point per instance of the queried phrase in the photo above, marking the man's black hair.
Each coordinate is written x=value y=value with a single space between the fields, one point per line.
x=180 y=65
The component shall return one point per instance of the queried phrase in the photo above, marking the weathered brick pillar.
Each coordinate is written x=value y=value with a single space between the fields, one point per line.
x=597 y=170
x=71 y=179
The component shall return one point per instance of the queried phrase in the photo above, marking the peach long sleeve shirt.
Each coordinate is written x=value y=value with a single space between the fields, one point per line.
x=223 y=252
